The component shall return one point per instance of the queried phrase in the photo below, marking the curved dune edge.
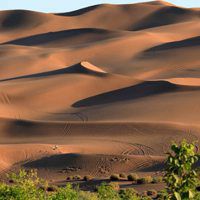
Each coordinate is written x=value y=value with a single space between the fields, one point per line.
x=161 y=2
x=90 y=66
x=185 y=81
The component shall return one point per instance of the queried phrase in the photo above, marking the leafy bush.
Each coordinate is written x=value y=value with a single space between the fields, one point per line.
x=148 y=179
x=158 y=179
x=133 y=177
x=87 y=196
x=162 y=195
x=67 y=193
x=129 y=194
x=106 y=192
x=115 y=186
x=26 y=186
x=145 y=180
x=180 y=177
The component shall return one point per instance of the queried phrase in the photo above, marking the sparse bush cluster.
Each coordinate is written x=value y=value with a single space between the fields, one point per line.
x=27 y=186
x=136 y=179
x=181 y=178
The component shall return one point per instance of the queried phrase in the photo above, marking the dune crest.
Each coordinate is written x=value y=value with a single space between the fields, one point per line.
x=91 y=67
x=161 y=2
x=185 y=81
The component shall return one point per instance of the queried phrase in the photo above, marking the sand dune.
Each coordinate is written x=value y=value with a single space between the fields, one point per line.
x=84 y=93
x=145 y=16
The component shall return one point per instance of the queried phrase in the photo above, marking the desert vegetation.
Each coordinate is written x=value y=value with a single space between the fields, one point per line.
x=181 y=180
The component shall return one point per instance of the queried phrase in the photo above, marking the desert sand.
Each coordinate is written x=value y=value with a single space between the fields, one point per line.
x=100 y=90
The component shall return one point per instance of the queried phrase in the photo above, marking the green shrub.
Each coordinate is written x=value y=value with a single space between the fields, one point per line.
x=114 y=177
x=132 y=177
x=67 y=193
x=197 y=196
x=115 y=186
x=162 y=195
x=180 y=177
x=106 y=192
x=87 y=196
x=129 y=194
x=148 y=179
x=145 y=180
x=145 y=196
x=158 y=179
x=26 y=186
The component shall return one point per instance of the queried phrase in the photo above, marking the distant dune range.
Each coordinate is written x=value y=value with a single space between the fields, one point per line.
x=100 y=90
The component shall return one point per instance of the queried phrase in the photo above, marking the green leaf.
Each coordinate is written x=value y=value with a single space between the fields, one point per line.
x=177 y=195
x=191 y=194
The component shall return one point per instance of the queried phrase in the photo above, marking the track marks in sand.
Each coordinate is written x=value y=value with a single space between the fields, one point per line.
x=81 y=116
x=5 y=98
x=68 y=126
x=138 y=149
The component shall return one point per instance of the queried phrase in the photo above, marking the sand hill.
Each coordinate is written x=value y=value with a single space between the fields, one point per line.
x=83 y=90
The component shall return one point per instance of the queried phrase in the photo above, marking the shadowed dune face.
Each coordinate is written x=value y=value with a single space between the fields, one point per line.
x=142 y=90
x=78 y=12
x=138 y=91
x=66 y=38
x=16 y=19
x=191 y=42
x=165 y=16
x=100 y=90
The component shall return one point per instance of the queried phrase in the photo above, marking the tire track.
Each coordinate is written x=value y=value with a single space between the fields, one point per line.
x=5 y=98
x=138 y=149
x=81 y=116
x=67 y=128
